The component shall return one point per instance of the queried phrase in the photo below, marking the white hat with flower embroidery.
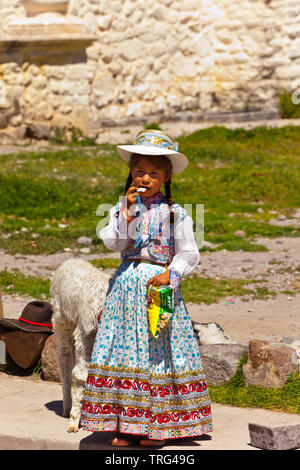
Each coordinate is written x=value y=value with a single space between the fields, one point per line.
x=152 y=142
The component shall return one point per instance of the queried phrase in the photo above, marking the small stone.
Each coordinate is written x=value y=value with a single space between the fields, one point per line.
x=209 y=244
x=240 y=233
x=287 y=339
x=85 y=250
x=281 y=217
x=84 y=241
x=67 y=250
x=62 y=225
x=24 y=229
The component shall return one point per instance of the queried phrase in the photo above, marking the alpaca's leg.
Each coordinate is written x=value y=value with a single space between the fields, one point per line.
x=83 y=349
x=65 y=361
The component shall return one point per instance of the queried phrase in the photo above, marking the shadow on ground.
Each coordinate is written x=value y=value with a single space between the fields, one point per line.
x=55 y=406
x=102 y=439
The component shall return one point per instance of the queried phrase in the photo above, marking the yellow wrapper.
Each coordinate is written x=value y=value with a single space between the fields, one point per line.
x=160 y=307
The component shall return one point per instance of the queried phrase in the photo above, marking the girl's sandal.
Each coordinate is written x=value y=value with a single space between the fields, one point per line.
x=120 y=441
x=152 y=443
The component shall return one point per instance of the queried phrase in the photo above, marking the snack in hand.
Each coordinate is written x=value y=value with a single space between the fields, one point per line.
x=160 y=308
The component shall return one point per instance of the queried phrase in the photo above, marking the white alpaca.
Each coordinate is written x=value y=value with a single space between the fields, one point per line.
x=78 y=291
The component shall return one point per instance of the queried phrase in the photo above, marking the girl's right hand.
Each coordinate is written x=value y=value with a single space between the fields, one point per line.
x=131 y=196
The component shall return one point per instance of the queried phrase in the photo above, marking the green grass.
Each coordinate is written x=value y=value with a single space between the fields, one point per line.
x=194 y=289
x=230 y=171
x=236 y=393
x=24 y=285
x=106 y=263
x=209 y=290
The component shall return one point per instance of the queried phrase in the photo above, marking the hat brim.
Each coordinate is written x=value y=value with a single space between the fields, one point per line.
x=178 y=160
x=13 y=325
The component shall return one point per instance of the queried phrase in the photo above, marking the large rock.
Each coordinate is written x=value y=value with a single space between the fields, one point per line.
x=50 y=370
x=269 y=365
x=220 y=361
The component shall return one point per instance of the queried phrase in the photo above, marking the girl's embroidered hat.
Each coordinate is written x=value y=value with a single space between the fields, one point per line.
x=153 y=142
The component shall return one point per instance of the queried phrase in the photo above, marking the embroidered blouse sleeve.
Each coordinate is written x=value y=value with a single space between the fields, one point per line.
x=187 y=254
x=114 y=235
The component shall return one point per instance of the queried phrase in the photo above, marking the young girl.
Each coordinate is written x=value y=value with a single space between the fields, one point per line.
x=138 y=385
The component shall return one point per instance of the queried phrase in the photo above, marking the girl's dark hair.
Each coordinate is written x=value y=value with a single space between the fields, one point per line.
x=159 y=160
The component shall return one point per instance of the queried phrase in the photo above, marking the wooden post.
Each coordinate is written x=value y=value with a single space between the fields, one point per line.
x=1 y=306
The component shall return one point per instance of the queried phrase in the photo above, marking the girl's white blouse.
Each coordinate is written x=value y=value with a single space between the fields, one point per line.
x=186 y=256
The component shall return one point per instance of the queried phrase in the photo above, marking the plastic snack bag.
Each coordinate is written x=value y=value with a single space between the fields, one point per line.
x=160 y=308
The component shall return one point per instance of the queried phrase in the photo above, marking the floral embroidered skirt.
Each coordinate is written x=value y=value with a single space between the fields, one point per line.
x=138 y=384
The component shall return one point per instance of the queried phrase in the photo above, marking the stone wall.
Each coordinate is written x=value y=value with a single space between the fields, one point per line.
x=154 y=58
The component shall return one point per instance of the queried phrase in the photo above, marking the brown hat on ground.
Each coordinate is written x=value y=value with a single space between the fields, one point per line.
x=35 y=318
x=25 y=337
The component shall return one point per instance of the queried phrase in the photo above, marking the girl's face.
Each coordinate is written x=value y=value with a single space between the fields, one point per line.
x=147 y=175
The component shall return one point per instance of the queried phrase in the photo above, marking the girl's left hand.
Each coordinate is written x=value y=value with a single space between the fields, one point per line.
x=160 y=280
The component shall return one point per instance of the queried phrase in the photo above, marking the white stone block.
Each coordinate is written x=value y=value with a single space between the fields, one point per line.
x=104 y=22
x=104 y=7
x=79 y=72
x=134 y=109
x=294 y=53
x=224 y=59
x=241 y=58
x=200 y=46
x=275 y=438
x=128 y=8
x=288 y=72
x=120 y=24
x=116 y=6
x=39 y=82
x=131 y=50
x=56 y=72
x=160 y=13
